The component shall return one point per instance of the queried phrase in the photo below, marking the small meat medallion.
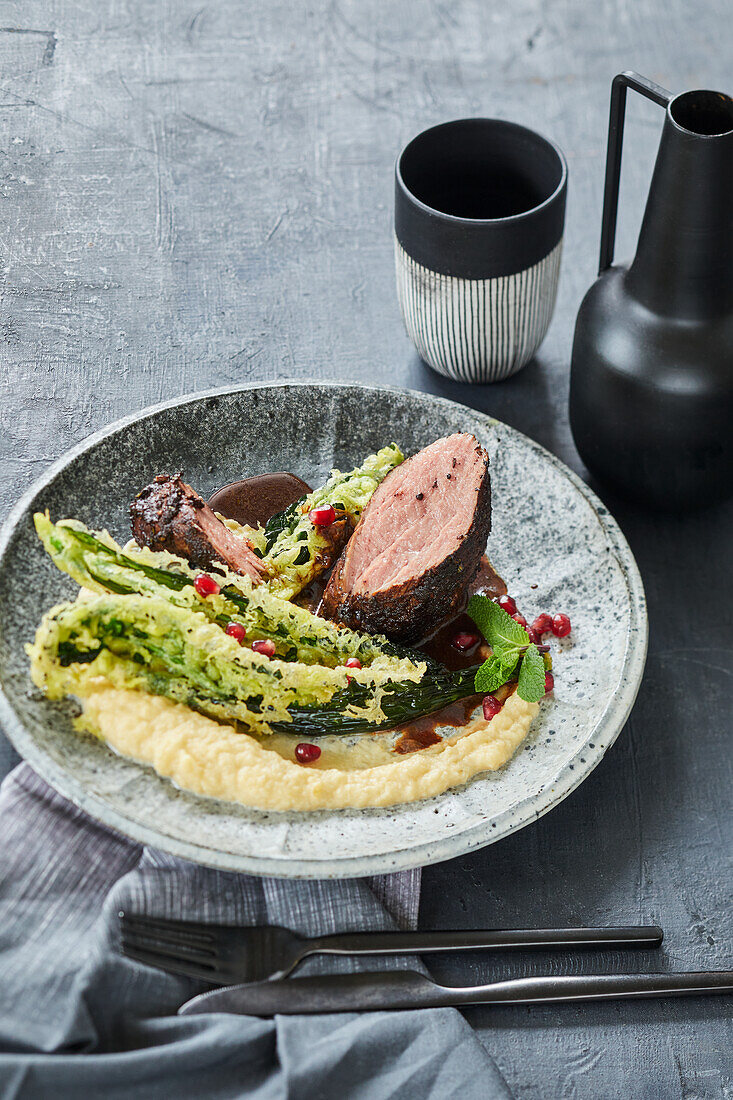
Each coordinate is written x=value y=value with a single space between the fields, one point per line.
x=169 y=515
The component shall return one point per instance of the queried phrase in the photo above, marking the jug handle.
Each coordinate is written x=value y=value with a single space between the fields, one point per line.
x=652 y=91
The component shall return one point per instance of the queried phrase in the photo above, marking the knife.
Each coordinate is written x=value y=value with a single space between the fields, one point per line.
x=389 y=989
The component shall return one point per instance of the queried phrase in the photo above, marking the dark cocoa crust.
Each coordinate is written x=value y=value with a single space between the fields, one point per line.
x=165 y=515
x=411 y=611
x=158 y=518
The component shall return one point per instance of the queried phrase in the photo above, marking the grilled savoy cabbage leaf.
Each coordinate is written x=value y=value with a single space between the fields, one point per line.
x=296 y=550
x=96 y=562
x=147 y=643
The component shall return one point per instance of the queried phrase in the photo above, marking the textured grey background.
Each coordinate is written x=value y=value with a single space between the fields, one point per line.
x=195 y=194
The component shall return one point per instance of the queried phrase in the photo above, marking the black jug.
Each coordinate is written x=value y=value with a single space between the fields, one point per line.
x=651 y=384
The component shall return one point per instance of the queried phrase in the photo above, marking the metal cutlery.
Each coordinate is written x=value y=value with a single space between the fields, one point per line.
x=228 y=955
x=395 y=989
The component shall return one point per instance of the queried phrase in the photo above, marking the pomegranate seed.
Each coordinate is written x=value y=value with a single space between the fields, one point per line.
x=322 y=517
x=353 y=662
x=507 y=603
x=206 y=585
x=265 y=646
x=549 y=683
x=491 y=707
x=520 y=619
x=534 y=637
x=561 y=626
x=236 y=630
x=464 y=641
x=305 y=753
x=542 y=624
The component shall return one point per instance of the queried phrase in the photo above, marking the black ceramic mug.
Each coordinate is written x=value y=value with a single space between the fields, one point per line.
x=479 y=217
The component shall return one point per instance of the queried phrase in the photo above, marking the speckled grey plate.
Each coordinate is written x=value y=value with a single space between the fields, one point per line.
x=548 y=530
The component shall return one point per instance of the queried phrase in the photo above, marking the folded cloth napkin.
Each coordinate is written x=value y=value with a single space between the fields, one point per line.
x=79 y=1019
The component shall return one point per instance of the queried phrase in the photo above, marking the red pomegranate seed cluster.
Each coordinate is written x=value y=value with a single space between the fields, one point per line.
x=351 y=662
x=542 y=624
x=206 y=585
x=264 y=646
x=306 y=753
x=322 y=517
x=236 y=630
x=491 y=707
x=559 y=625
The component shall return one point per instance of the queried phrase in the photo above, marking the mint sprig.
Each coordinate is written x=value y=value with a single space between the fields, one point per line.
x=492 y=674
x=531 y=682
x=509 y=644
x=505 y=636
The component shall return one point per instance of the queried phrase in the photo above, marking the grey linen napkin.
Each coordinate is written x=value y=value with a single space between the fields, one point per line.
x=79 y=1019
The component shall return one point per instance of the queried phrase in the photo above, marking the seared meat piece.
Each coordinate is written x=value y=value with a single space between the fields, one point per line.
x=170 y=515
x=409 y=563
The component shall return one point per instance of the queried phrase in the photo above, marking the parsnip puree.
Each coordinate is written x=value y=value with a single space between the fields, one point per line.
x=215 y=759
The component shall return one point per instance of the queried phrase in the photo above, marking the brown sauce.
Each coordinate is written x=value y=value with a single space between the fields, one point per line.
x=441 y=648
x=421 y=733
x=414 y=740
x=251 y=501
x=439 y=645
x=487 y=581
x=311 y=597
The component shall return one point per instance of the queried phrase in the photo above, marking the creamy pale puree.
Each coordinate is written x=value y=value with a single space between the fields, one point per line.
x=209 y=758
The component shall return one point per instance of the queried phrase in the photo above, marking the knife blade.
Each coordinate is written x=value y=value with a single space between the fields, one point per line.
x=396 y=989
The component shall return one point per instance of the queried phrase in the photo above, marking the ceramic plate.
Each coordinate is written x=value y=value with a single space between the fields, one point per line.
x=548 y=530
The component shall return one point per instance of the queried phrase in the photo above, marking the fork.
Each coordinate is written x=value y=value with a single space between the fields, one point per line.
x=227 y=955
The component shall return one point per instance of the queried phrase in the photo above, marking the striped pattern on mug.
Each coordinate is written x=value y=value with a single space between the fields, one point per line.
x=477 y=330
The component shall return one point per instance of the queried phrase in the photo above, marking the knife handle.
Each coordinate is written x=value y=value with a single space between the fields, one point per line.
x=424 y=943
x=591 y=987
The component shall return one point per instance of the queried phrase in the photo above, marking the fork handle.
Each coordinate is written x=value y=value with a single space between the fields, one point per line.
x=522 y=939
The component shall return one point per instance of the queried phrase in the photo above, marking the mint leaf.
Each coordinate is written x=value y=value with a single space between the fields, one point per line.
x=505 y=636
x=492 y=674
x=482 y=611
x=531 y=682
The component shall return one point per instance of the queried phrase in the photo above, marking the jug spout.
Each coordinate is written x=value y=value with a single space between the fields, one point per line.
x=684 y=260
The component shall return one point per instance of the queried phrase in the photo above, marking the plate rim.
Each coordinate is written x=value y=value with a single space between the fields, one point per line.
x=571 y=775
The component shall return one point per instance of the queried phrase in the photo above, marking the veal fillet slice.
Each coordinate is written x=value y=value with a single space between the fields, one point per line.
x=408 y=564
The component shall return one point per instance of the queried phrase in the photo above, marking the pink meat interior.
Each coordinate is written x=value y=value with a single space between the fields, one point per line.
x=233 y=549
x=417 y=517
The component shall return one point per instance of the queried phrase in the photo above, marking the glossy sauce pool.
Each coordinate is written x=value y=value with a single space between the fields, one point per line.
x=251 y=501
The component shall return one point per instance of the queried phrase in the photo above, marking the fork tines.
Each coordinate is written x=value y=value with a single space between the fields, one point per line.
x=182 y=946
